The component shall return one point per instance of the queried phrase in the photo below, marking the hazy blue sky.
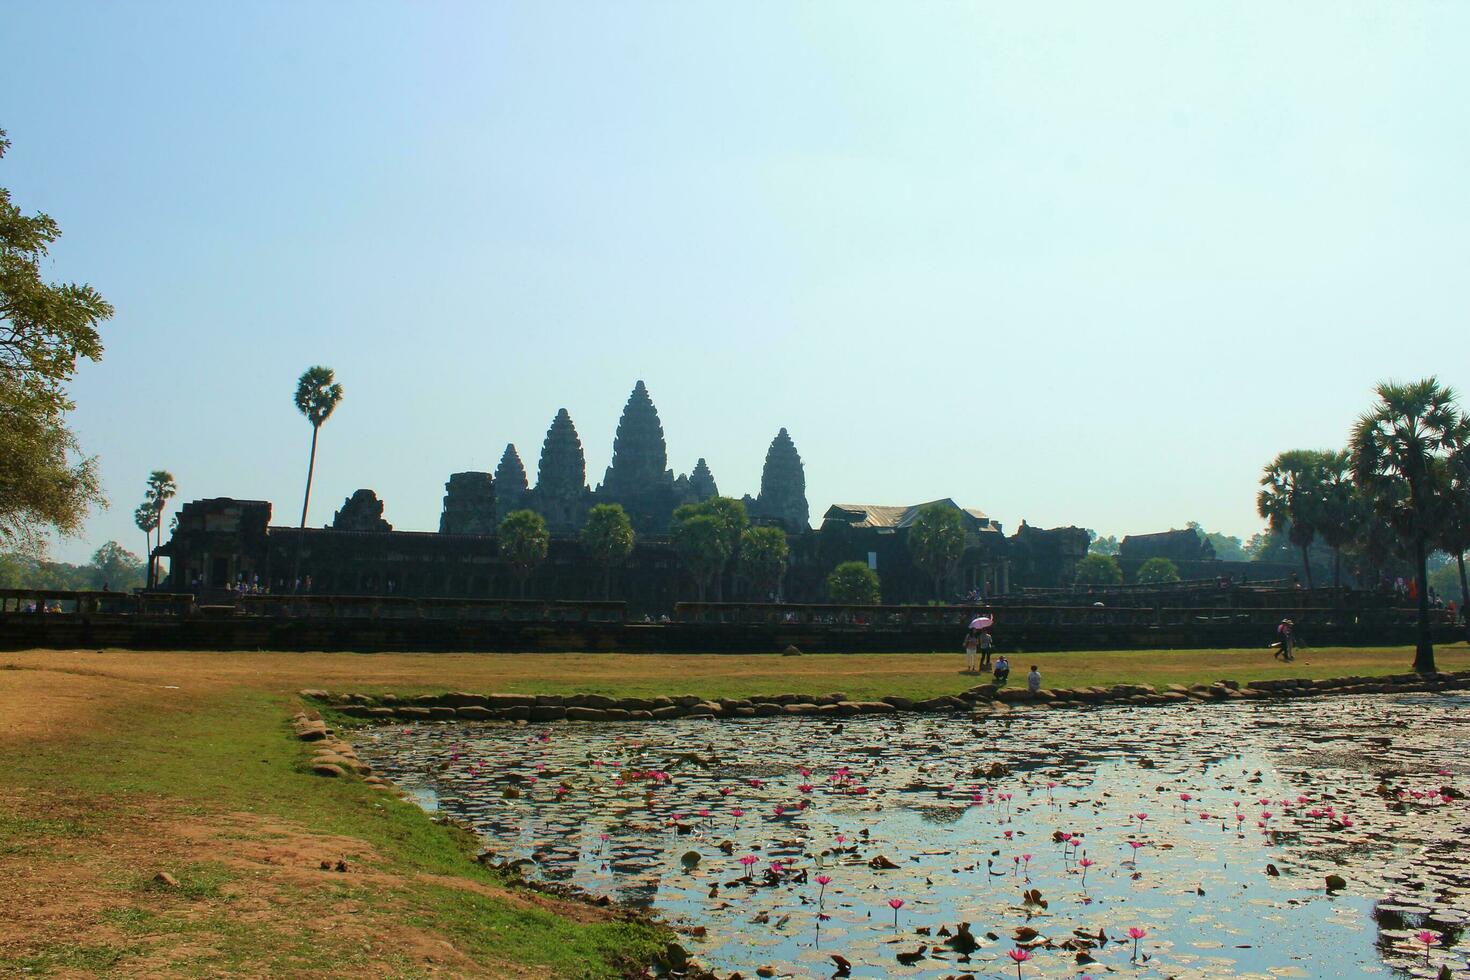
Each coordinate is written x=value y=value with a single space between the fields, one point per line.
x=1087 y=263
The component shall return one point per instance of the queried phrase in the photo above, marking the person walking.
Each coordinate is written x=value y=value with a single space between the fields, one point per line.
x=972 y=645
x=1287 y=639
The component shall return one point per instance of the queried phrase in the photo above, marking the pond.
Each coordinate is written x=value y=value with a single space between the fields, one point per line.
x=1208 y=830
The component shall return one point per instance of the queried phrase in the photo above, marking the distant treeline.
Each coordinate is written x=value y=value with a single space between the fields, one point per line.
x=112 y=566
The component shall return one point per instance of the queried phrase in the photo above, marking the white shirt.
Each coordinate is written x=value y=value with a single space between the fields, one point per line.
x=1033 y=681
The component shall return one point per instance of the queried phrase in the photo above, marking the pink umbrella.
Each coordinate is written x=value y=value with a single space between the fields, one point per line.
x=982 y=622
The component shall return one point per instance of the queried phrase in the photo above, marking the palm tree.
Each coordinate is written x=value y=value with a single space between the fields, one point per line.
x=161 y=489
x=1342 y=506
x=1396 y=447
x=317 y=395
x=1454 y=521
x=1290 y=498
x=146 y=518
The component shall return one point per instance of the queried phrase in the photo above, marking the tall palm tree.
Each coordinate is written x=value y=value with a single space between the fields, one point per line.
x=1342 y=506
x=147 y=519
x=317 y=395
x=1454 y=523
x=161 y=489
x=1291 y=498
x=1396 y=447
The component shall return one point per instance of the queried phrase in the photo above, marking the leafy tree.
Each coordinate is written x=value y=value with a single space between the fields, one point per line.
x=524 y=542
x=317 y=396
x=116 y=567
x=1102 y=545
x=1291 y=498
x=1227 y=547
x=730 y=519
x=1396 y=446
x=607 y=538
x=702 y=544
x=854 y=583
x=1157 y=571
x=161 y=489
x=936 y=541
x=1099 y=570
x=763 y=554
x=44 y=328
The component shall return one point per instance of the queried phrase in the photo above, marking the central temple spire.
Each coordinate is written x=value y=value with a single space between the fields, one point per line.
x=640 y=457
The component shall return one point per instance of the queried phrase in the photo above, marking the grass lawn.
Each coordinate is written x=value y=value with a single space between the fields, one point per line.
x=116 y=765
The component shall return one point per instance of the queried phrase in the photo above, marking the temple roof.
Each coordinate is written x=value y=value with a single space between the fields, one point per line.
x=895 y=516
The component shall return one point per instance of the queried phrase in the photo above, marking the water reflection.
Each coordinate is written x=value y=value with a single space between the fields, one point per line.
x=1064 y=825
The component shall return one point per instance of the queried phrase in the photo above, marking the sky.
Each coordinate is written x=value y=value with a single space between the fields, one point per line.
x=1073 y=263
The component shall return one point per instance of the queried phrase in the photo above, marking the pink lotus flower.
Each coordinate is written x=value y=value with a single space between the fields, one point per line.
x=1429 y=939
x=1019 y=956
x=822 y=882
x=749 y=861
x=1135 y=934
x=841 y=839
x=1085 y=863
x=736 y=811
x=895 y=904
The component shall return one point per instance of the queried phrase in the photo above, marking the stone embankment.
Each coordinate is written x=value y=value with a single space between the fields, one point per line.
x=984 y=701
x=332 y=756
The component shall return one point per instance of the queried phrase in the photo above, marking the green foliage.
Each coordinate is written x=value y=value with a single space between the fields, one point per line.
x=854 y=583
x=1099 y=570
x=702 y=545
x=112 y=565
x=1157 y=571
x=1098 y=545
x=1397 y=445
x=44 y=329
x=1227 y=547
x=1290 y=498
x=524 y=543
x=161 y=489
x=317 y=394
x=936 y=540
x=607 y=539
x=706 y=548
x=116 y=567
x=763 y=554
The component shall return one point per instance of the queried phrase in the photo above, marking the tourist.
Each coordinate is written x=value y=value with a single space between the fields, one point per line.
x=1286 y=633
x=1002 y=669
x=972 y=648
x=1033 y=680
x=987 y=643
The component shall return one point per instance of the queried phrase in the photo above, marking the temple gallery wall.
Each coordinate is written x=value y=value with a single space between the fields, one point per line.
x=220 y=543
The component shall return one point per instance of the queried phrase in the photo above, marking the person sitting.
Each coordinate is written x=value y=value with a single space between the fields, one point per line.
x=1002 y=669
x=1033 y=680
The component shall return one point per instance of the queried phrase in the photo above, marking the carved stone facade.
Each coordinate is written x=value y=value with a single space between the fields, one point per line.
x=783 y=487
x=469 y=504
x=639 y=478
x=362 y=511
x=561 y=495
x=510 y=482
x=702 y=481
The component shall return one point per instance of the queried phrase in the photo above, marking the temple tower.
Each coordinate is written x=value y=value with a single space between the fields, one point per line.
x=783 y=486
x=362 y=511
x=561 y=494
x=469 y=504
x=510 y=482
x=639 y=478
x=702 y=481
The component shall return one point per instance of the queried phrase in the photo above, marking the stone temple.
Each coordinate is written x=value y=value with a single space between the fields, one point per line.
x=638 y=478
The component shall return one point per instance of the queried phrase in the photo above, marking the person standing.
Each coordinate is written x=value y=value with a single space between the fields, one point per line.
x=972 y=645
x=987 y=643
